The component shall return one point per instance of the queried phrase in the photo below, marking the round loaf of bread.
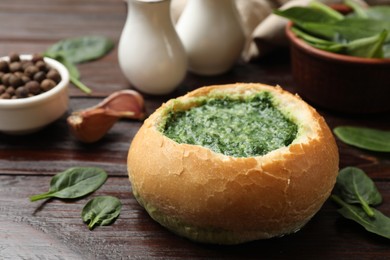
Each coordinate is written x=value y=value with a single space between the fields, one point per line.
x=211 y=197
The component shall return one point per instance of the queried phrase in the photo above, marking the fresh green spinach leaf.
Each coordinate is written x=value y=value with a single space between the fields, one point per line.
x=73 y=71
x=76 y=50
x=366 y=33
x=82 y=49
x=386 y=50
x=380 y=224
x=300 y=15
x=365 y=138
x=346 y=30
x=369 y=47
x=318 y=42
x=102 y=210
x=310 y=38
x=80 y=84
x=355 y=28
x=326 y=9
x=379 y=12
x=354 y=186
x=358 y=10
x=74 y=183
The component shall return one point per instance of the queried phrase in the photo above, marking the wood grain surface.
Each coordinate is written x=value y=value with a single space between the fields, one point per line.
x=53 y=229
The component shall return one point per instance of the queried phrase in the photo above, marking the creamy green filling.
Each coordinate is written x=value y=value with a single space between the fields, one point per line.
x=232 y=125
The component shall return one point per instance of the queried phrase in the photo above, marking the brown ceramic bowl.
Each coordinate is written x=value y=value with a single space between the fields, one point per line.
x=339 y=83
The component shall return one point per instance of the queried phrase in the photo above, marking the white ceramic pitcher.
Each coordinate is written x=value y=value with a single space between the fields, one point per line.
x=150 y=53
x=212 y=35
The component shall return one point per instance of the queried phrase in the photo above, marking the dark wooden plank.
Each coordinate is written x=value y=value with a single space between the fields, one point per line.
x=50 y=20
x=135 y=235
x=54 y=230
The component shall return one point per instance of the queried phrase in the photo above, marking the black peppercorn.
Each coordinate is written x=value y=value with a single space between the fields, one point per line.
x=19 y=74
x=30 y=71
x=10 y=90
x=5 y=96
x=26 y=78
x=54 y=75
x=21 y=92
x=41 y=65
x=37 y=57
x=26 y=63
x=47 y=84
x=15 y=66
x=33 y=87
x=39 y=76
x=14 y=57
x=15 y=81
x=5 y=79
x=4 y=67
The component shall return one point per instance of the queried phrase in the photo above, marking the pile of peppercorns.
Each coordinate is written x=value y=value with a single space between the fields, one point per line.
x=26 y=78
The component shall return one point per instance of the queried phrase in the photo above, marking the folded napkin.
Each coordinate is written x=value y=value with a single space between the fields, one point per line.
x=264 y=31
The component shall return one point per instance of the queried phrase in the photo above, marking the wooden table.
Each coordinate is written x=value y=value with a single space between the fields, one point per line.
x=53 y=229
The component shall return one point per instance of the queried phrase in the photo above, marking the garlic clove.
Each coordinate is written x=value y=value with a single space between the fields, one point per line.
x=123 y=101
x=91 y=124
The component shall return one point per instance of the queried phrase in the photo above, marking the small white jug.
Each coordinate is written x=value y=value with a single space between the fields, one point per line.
x=212 y=35
x=150 y=53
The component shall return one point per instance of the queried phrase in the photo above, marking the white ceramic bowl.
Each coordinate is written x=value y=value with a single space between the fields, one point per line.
x=27 y=115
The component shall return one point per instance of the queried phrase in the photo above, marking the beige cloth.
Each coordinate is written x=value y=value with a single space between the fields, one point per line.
x=264 y=31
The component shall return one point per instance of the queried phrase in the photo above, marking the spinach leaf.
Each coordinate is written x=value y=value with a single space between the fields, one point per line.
x=74 y=183
x=346 y=30
x=310 y=38
x=354 y=186
x=386 y=50
x=380 y=224
x=82 y=49
x=350 y=27
x=363 y=34
x=337 y=38
x=369 y=47
x=80 y=85
x=358 y=10
x=74 y=73
x=365 y=138
x=326 y=9
x=102 y=210
x=300 y=15
x=76 y=50
x=379 y=13
x=318 y=42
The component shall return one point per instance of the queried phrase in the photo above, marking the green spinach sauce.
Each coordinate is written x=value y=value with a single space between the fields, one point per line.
x=234 y=126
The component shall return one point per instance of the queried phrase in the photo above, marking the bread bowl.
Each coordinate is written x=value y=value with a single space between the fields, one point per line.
x=211 y=197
